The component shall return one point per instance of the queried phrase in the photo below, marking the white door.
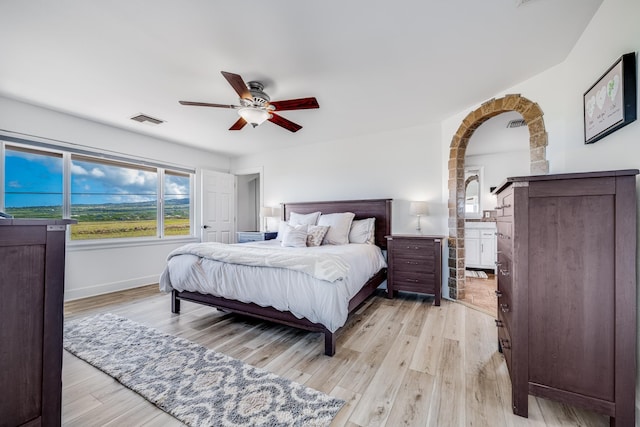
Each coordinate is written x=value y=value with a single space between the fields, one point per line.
x=218 y=215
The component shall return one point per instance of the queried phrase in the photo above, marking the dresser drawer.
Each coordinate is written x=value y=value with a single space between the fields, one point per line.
x=504 y=236
x=505 y=204
x=505 y=343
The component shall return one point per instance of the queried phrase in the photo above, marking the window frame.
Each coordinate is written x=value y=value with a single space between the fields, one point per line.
x=107 y=158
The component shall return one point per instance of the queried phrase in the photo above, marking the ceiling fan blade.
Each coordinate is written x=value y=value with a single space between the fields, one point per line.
x=296 y=104
x=287 y=124
x=206 y=104
x=238 y=85
x=239 y=124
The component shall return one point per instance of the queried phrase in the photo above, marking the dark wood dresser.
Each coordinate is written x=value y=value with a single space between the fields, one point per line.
x=32 y=254
x=567 y=290
x=415 y=265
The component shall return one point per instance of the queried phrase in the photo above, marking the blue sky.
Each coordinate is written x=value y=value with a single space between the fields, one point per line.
x=36 y=180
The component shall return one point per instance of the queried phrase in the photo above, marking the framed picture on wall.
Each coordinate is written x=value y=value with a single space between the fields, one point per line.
x=611 y=102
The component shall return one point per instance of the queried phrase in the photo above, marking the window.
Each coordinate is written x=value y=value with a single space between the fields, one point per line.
x=32 y=183
x=110 y=198
x=177 y=204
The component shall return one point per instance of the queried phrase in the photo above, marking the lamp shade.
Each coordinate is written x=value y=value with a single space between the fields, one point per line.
x=253 y=116
x=266 y=211
x=418 y=208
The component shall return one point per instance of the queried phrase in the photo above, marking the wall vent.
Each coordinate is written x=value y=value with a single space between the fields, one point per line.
x=522 y=2
x=142 y=118
x=516 y=123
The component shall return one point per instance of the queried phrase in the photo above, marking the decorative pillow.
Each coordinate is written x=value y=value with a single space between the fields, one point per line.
x=304 y=219
x=281 y=229
x=315 y=234
x=362 y=231
x=339 y=226
x=295 y=236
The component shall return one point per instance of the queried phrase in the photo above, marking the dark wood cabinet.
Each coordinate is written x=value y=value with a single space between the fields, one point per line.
x=415 y=265
x=32 y=254
x=567 y=290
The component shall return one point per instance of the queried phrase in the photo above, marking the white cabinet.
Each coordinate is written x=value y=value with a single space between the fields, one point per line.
x=480 y=245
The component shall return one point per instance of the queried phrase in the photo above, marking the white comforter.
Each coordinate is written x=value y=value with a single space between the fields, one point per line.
x=320 y=301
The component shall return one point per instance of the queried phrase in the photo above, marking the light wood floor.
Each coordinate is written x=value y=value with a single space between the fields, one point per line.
x=398 y=362
x=480 y=294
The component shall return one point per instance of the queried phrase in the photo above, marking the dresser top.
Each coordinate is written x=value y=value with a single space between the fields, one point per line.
x=559 y=176
x=36 y=221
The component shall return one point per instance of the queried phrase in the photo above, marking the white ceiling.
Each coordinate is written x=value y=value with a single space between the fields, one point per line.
x=373 y=65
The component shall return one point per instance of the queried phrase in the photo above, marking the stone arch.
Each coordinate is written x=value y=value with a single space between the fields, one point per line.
x=532 y=115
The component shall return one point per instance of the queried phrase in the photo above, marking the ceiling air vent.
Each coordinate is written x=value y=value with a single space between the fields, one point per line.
x=522 y=2
x=143 y=118
x=516 y=123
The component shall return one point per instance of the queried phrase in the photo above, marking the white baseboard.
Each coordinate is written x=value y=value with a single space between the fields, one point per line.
x=106 y=288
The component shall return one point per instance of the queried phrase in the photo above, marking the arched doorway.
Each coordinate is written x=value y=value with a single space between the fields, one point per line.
x=532 y=115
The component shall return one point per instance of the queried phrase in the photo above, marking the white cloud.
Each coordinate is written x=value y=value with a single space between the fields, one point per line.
x=78 y=170
x=97 y=173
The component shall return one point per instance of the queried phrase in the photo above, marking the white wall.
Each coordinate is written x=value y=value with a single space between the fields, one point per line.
x=403 y=165
x=92 y=270
x=613 y=32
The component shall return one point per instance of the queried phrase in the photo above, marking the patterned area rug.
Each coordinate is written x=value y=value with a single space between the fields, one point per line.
x=197 y=385
x=475 y=273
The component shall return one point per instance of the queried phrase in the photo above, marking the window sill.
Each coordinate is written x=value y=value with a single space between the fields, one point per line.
x=82 y=245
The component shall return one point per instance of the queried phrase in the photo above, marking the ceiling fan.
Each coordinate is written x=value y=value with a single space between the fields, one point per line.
x=256 y=106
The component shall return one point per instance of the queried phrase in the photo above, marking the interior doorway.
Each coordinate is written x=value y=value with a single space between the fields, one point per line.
x=538 y=164
x=249 y=199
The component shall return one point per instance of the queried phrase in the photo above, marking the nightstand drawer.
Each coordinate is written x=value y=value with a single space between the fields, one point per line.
x=421 y=282
x=413 y=265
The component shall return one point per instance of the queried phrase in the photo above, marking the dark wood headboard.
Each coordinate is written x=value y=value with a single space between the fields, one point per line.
x=380 y=209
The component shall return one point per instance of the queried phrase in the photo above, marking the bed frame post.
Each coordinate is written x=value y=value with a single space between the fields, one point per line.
x=175 y=302
x=329 y=343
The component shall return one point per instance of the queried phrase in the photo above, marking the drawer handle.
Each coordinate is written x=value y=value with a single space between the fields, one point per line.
x=502 y=207
x=412 y=247
x=412 y=262
x=504 y=308
x=498 y=264
x=504 y=272
x=499 y=323
x=498 y=294
x=505 y=344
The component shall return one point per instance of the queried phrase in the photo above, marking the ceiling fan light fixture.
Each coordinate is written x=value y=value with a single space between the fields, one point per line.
x=253 y=116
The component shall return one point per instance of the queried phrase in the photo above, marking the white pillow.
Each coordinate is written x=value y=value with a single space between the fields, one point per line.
x=339 y=226
x=295 y=236
x=315 y=234
x=281 y=228
x=304 y=219
x=362 y=231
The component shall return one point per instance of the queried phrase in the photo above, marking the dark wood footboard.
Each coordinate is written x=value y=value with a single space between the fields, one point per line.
x=277 y=316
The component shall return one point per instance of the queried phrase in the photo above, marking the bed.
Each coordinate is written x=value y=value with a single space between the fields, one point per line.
x=183 y=286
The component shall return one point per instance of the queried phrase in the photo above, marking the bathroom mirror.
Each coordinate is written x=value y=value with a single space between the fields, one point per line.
x=472 y=186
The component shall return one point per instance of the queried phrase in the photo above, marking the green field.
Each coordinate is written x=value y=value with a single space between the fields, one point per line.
x=123 y=229
x=121 y=220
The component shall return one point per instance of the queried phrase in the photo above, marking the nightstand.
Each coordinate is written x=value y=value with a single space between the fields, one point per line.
x=255 y=236
x=415 y=265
